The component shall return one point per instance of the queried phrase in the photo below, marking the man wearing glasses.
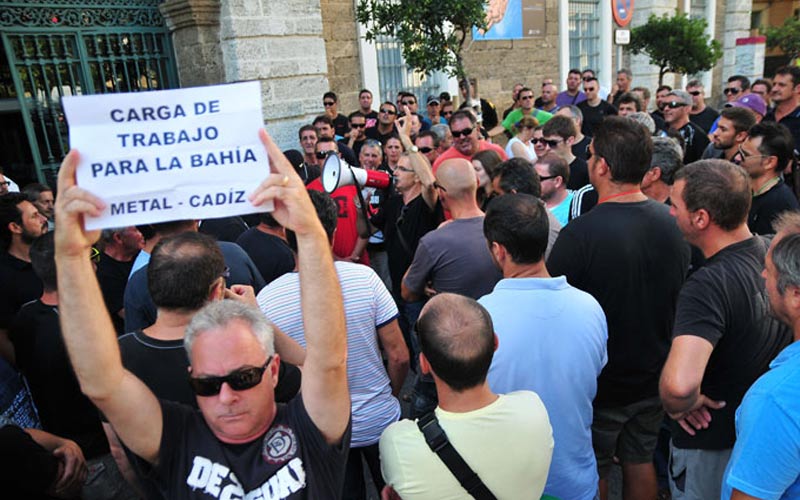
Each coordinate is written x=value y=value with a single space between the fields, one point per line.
x=355 y=138
x=701 y=115
x=594 y=108
x=676 y=114
x=340 y=122
x=466 y=139
x=526 y=109
x=386 y=127
x=736 y=87
x=239 y=442
x=559 y=136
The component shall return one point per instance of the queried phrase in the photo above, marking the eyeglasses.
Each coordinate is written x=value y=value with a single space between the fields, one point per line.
x=94 y=256
x=731 y=90
x=552 y=142
x=389 y=111
x=446 y=113
x=328 y=103
x=674 y=104
x=695 y=93
x=358 y=125
x=425 y=150
x=321 y=155
x=537 y=140
x=526 y=97
x=238 y=380
x=547 y=177
x=741 y=152
x=226 y=273
x=464 y=132
x=590 y=89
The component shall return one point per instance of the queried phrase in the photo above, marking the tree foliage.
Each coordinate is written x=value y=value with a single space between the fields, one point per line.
x=431 y=32
x=786 y=37
x=675 y=44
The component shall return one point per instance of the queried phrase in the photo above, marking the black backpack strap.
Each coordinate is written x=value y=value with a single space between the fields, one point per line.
x=438 y=442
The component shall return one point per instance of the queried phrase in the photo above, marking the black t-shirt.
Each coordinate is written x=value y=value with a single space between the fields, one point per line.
x=632 y=258
x=112 y=275
x=403 y=226
x=695 y=142
x=725 y=302
x=583 y=200
x=578 y=174
x=705 y=119
x=579 y=148
x=372 y=133
x=224 y=228
x=18 y=285
x=42 y=358
x=272 y=255
x=291 y=461
x=790 y=121
x=593 y=116
x=767 y=206
x=307 y=172
x=341 y=124
x=27 y=470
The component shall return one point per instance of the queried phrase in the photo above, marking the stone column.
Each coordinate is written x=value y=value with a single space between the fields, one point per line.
x=195 y=37
x=278 y=42
x=644 y=73
x=737 y=25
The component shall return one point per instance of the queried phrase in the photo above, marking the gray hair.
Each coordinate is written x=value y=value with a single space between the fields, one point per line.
x=668 y=156
x=441 y=130
x=574 y=111
x=221 y=313
x=645 y=119
x=108 y=234
x=786 y=258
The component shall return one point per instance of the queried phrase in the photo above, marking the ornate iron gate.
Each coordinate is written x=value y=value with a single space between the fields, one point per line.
x=65 y=47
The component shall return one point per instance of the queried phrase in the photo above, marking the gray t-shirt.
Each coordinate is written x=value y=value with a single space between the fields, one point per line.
x=454 y=258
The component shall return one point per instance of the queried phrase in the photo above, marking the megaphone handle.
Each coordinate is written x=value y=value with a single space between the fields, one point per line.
x=358 y=192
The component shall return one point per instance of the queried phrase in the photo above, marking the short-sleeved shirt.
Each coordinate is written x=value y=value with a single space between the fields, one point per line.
x=403 y=225
x=291 y=460
x=112 y=274
x=632 y=258
x=578 y=174
x=541 y=116
x=368 y=306
x=26 y=287
x=695 y=141
x=705 y=119
x=768 y=205
x=452 y=153
x=725 y=302
x=790 y=121
x=346 y=236
x=593 y=115
x=764 y=463
x=564 y=99
x=456 y=259
x=561 y=211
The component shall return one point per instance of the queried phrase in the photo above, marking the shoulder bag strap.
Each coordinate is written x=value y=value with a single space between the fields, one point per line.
x=438 y=442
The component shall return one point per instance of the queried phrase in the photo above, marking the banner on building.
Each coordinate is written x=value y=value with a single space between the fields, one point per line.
x=513 y=20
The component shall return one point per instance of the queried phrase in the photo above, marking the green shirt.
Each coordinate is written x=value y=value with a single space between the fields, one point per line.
x=516 y=115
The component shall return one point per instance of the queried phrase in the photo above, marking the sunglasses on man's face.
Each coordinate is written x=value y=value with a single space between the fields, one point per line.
x=425 y=150
x=464 y=132
x=321 y=155
x=674 y=104
x=695 y=93
x=731 y=90
x=238 y=380
x=388 y=111
x=328 y=103
x=358 y=125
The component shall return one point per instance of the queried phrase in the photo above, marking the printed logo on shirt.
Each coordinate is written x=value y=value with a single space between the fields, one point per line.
x=218 y=481
x=280 y=445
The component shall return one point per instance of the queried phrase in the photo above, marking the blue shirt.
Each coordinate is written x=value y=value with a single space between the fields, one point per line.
x=552 y=340
x=765 y=462
x=561 y=211
x=141 y=260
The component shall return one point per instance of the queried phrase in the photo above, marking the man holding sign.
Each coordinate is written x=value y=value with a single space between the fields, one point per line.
x=240 y=443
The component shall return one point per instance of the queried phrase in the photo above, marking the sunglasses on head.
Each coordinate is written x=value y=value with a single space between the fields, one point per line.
x=238 y=380
x=464 y=132
x=388 y=111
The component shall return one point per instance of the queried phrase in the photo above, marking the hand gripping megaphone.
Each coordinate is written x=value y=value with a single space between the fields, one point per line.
x=337 y=173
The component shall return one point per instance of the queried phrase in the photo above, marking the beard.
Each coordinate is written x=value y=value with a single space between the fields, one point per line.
x=29 y=237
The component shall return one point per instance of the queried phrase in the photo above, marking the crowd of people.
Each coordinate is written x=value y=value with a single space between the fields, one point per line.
x=535 y=297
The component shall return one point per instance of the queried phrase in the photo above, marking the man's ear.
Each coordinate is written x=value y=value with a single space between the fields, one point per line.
x=15 y=228
x=217 y=291
x=496 y=341
x=701 y=218
x=424 y=366
x=275 y=368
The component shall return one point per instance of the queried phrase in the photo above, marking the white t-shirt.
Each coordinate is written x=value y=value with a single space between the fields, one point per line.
x=531 y=153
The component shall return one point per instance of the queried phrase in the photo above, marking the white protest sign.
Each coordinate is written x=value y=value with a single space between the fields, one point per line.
x=169 y=155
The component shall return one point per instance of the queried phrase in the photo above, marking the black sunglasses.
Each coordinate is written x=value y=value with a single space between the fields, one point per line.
x=695 y=93
x=328 y=103
x=547 y=177
x=238 y=380
x=388 y=111
x=321 y=155
x=465 y=132
x=425 y=150
x=537 y=140
x=674 y=104
x=729 y=91
x=409 y=103
x=552 y=142
x=358 y=125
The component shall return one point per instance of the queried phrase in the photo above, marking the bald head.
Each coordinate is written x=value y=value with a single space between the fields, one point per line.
x=457 y=177
x=457 y=338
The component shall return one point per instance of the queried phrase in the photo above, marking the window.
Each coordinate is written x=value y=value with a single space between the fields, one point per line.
x=584 y=34
x=395 y=76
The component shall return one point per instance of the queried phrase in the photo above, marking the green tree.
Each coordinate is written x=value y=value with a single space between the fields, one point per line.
x=786 y=37
x=675 y=44
x=431 y=32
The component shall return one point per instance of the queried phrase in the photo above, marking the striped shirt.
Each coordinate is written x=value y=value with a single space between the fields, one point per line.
x=367 y=306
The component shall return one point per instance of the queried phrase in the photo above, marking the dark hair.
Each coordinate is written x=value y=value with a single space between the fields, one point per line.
x=741 y=79
x=323 y=119
x=588 y=70
x=433 y=135
x=364 y=91
x=327 y=140
x=267 y=219
x=456 y=336
x=644 y=90
x=560 y=125
x=519 y=223
x=742 y=118
x=10 y=212
x=556 y=165
x=306 y=128
x=629 y=97
x=786 y=259
x=793 y=71
x=524 y=89
x=625 y=71
x=720 y=188
x=574 y=71
x=694 y=83
x=776 y=140
x=43 y=260
x=518 y=175
x=389 y=103
x=766 y=82
x=34 y=189
x=182 y=269
x=626 y=146
x=461 y=114
x=663 y=87
x=489 y=160
x=356 y=114
x=172 y=227
x=591 y=79
x=330 y=95
x=327 y=211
